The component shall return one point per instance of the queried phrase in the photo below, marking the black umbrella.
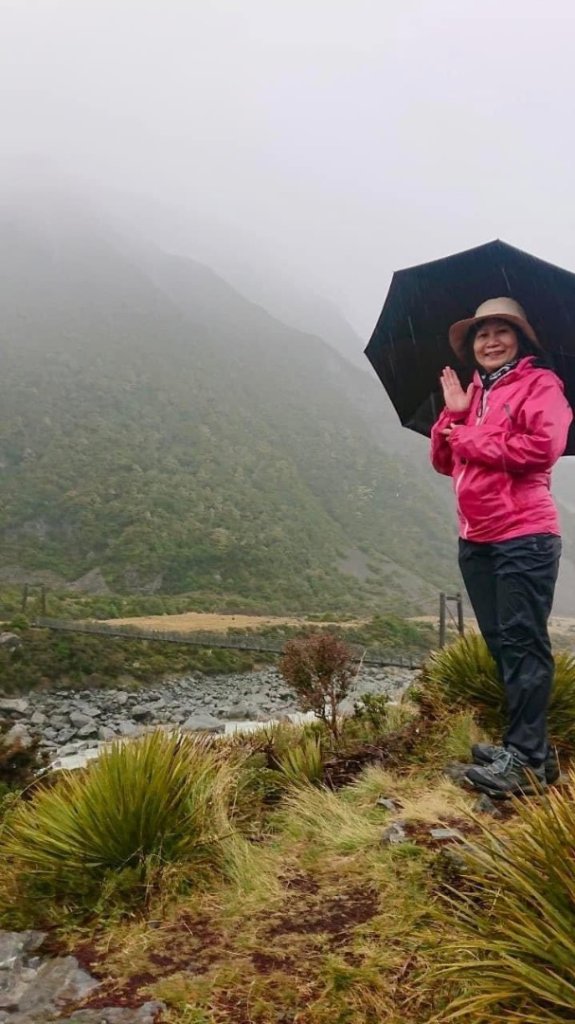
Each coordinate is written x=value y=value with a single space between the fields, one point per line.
x=409 y=346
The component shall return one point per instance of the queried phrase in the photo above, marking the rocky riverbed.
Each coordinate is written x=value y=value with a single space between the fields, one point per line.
x=72 y=725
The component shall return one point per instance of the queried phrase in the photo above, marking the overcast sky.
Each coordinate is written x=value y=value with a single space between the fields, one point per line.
x=345 y=138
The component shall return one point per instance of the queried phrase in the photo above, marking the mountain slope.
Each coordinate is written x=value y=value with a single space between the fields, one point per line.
x=157 y=425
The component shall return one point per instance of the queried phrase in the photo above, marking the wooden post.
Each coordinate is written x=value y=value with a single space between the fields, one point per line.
x=43 y=599
x=24 y=597
x=460 y=622
x=442 y=618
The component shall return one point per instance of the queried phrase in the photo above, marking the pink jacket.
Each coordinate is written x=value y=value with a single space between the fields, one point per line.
x=500 y=459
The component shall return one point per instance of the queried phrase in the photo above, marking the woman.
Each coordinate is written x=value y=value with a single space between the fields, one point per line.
x=499 y=440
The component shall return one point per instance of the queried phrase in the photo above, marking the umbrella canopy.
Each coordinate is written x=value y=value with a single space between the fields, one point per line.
x=409 y=346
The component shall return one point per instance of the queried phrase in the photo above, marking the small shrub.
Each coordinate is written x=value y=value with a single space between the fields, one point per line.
x=319 y=669
x=373 y=708
x=19 y=621
x=514 y=923
x=464 y=674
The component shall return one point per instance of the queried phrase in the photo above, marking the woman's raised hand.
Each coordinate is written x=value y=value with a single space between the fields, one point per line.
x=456 y=399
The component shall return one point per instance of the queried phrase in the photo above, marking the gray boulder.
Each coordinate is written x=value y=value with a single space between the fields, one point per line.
x=65 y=735
x=106 y=733
x=30 y=993
x=10 y=640
x=18 y=736
x=79 y=719
x=126 y=728
x=203 y=723
x=141 y=712
x=14 y=945
x=240 y=713
x=13 y=706
x=394 y=834
x=89 y=729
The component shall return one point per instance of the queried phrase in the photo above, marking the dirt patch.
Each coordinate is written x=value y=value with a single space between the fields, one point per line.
x=420 y=832
x=199 y=622
x=303 y=885
x=188 y=944
x=269 y=963
x=336 y=916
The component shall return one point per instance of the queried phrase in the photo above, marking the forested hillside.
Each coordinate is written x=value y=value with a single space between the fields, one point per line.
x=160 y=427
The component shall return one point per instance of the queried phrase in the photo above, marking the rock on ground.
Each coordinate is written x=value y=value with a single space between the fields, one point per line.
x=36 y=989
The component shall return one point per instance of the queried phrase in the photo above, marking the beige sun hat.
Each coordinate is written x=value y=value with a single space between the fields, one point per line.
x=504 y=309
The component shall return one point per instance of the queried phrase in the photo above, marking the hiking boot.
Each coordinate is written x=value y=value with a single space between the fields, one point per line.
x=486 y=753
x=509 y=775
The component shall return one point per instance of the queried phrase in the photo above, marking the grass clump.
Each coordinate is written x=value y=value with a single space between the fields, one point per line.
x=329 y=822
x=142 y=806
x=303 y=764
x=514 y=922
x=464 y=675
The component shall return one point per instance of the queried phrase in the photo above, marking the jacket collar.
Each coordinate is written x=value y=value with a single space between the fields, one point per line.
x=517 y=370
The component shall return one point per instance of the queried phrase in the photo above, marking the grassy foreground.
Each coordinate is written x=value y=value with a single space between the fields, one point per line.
x=253 y=881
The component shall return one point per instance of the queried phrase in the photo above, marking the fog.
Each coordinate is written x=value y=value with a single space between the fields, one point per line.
x=314 y=144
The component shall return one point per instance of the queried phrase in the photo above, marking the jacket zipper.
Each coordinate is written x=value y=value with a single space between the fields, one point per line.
x=483 y=407
x=482 y=410
x=464 y=523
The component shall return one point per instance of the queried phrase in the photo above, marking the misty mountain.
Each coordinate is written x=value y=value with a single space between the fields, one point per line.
x=244 y=260
x=158 y=426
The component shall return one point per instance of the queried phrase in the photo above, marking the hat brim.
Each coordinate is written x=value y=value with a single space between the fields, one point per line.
x=458 y=331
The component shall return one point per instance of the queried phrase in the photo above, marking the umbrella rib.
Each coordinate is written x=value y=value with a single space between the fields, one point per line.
x=506 y=279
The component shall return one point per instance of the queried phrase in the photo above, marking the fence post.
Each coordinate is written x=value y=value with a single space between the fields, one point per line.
x=460 y=622
x=442 y=618
x=24 y=597
x=43 y=600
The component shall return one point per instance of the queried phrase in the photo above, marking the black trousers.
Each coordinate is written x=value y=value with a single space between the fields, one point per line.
x=511 y=585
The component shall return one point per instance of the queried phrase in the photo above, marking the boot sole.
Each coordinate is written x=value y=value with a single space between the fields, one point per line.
x=550 y=778
x=499 y=794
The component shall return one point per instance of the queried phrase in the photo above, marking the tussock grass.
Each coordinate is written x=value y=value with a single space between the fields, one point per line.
x=116 y=826
x=417 y=799
x=307 y=917
x=303 y=764
x=514 y=924
x=325 y=819
x=461 y=732
x=464 y=675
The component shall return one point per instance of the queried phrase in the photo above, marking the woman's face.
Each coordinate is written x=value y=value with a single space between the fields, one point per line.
x=495 y=344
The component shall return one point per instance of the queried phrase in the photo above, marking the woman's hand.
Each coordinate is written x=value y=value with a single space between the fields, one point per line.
x=449 y=430
x=456 y=399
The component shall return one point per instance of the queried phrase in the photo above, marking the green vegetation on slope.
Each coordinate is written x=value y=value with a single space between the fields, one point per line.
x=159 y=427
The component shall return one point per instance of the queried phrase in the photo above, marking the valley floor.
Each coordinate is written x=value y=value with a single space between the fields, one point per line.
x=194 y=622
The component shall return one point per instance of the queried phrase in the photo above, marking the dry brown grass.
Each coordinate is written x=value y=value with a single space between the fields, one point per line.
x=198 y=622
x=323 y=925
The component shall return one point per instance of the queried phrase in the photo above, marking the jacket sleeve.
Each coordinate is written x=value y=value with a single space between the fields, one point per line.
x=534 y=439
x=441 y=452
